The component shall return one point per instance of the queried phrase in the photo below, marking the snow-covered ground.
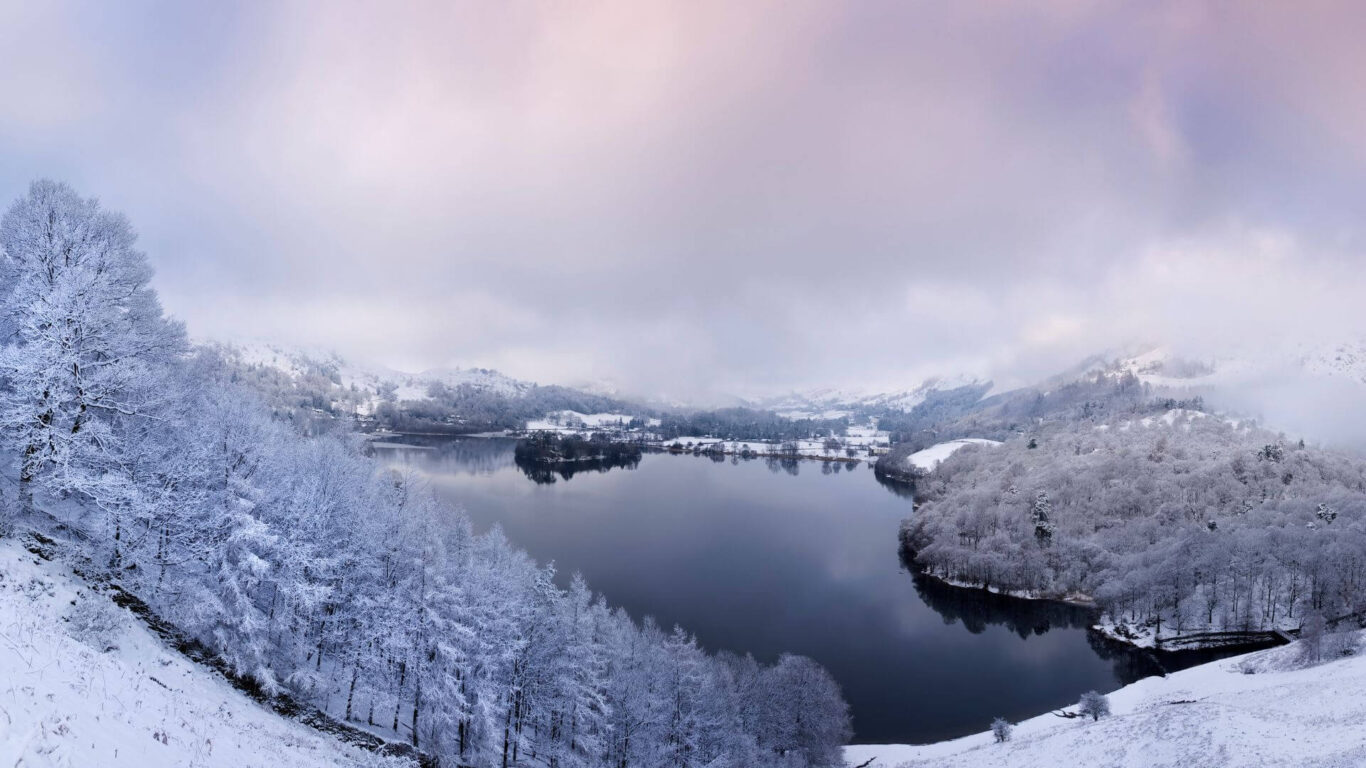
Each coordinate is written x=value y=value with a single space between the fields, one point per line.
x=861 y=440
x=930 y=457
x=68 y=700
x=573 y=421
x=1243 y=711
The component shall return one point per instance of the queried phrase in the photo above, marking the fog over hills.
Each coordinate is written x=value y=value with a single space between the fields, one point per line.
x=1317 y=391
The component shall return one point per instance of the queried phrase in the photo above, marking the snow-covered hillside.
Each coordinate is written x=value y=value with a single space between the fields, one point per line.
x=84 y=683
x=1165 y=367
x=1314 y=390
x=573 y=421
x=371 y=380
x=832 y=403
x=1237 y=712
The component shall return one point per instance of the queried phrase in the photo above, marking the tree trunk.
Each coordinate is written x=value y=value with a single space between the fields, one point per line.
x=351 y=694
x=417 y=700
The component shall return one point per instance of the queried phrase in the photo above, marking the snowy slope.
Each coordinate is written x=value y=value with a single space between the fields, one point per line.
x=66 y=701
x=573 y=421
x=1210 y=716
x=929 y=458
x=371 y=379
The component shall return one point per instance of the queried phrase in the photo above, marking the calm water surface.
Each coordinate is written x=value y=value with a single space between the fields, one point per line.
x=755 y=559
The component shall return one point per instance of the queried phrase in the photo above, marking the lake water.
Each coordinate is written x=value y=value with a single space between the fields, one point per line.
x=755 y=557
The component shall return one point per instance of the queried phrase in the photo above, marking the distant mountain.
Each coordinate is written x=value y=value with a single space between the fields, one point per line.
x=316 y=387
x=834 y=402
x=1162 y=366
x=373 y=383
x=1313 y=389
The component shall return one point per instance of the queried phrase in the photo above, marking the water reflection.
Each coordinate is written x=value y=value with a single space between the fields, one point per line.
x=978 y=609
x=905 y=490
x=457 y=456
x=786 y=464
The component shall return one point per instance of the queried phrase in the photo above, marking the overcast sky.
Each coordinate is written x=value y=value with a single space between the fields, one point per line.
x=701 y=197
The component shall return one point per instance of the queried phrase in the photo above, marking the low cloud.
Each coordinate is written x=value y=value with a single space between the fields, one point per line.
x=702 y=199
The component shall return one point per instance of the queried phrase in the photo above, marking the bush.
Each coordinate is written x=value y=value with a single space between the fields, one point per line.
x=96 y=622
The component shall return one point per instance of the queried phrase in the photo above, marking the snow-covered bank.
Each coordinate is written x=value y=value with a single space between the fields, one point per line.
x=67 y=698
x=1240 y=711
x=1077 y=599
x=1146 y=636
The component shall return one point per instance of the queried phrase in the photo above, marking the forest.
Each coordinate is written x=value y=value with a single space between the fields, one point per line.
x=308 y=568
x=1173 y=523
x=465 y=408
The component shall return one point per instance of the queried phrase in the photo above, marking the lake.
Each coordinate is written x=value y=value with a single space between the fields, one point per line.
x=758 y=557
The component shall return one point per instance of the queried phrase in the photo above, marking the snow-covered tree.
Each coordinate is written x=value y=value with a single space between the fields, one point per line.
x=1312 y=631
x=1170 y=521
x=1094 y=705
x=309 y=569
x=1000 y=730
x=806 y=718
x=87 y=341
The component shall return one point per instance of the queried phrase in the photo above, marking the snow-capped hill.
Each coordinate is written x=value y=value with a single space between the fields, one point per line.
x=603 y=387
x=371 y=380
x=84 y=683
x=1346 y=361
x=1260 y=709
x=1162 y=366
x=484 y=379
x=293 y=362
x=1316 y=390
x=832 y=402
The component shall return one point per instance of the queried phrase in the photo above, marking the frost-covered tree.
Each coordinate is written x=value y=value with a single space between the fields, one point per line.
x=1312 y=631
x=806 y=716
x=1040 y=515
x=308 y=569
x=1094 y=705
x=1000 y=730
x=87 y=341
x=1169 y=521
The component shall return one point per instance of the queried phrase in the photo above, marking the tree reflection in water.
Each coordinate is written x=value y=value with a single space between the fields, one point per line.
x=977 y=609
x=543 y=473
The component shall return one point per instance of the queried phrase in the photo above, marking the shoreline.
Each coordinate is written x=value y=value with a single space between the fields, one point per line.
x=1201 y=640
x=651 y=446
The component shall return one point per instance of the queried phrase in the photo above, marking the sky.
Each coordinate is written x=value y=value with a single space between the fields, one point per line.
x=701 y=198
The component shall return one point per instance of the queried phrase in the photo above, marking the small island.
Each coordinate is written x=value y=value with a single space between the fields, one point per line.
x=542 y=455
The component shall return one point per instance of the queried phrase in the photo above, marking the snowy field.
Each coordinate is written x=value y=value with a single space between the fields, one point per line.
x=811 y=449
x=929 y=458
x=67 y=700
x=573 y=421
x=1213 y=715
